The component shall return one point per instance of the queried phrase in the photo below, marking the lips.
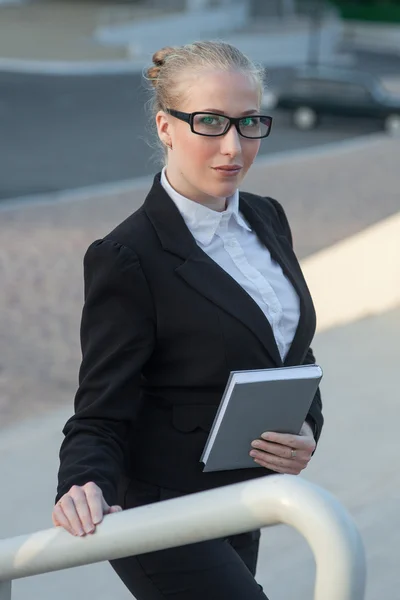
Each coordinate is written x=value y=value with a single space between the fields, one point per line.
x=228 y=168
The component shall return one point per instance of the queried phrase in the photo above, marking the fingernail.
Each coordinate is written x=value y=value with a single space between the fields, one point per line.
x=255 y=444
x=253 y=453
x=80 y=532
x=265 y=435
x=89 y=529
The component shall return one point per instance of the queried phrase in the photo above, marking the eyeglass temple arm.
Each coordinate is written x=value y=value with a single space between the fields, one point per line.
x=179 y=115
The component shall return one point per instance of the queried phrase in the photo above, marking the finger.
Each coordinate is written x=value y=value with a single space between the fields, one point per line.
x=281 y=451
x=96 y=505
x=273 y=448
x=67 y=505
x=60 y=520
x=115 y=509
x=277 y=468
x=296 y=464
x=298 y=442
x=87 y=501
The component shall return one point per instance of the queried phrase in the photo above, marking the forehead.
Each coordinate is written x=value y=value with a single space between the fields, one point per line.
x=229 y=92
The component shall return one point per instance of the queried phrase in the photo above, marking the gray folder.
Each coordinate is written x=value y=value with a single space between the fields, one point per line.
x=254 y=402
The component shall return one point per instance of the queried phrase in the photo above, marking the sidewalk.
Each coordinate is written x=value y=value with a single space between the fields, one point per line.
x=41 y=261
x=66 y=37
x=62 y=31
x=44 y=243
x=356 y=460
x=377 y=37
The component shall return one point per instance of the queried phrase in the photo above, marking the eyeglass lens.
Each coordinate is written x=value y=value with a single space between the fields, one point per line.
x=209 y=124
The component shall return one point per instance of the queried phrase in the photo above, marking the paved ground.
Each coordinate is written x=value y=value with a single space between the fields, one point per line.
x=40 y=263
x=328 y=197
x=72 y=30
x=64 y=30
x=356 y=460
x=74 y=133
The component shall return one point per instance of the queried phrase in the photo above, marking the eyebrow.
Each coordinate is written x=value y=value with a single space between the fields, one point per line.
x=252 y=111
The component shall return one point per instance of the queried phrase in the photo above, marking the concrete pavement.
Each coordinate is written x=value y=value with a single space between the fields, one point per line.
x=380 y=37
x=70 y=37
x=62 y=30
x=329 y=194
x=356 y=460
x=65 y=37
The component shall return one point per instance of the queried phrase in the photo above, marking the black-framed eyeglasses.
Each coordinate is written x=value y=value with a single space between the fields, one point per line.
x=212 y=125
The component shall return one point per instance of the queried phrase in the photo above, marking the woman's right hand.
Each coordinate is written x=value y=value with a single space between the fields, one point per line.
x=81 y=509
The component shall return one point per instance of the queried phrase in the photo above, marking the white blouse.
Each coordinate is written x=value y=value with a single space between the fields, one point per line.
x=229 y=241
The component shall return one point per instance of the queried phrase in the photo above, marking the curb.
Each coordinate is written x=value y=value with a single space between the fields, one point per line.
x=67 y=68
x=77 y=194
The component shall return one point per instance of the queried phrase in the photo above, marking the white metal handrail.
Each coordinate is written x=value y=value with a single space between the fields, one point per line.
x=316 y=514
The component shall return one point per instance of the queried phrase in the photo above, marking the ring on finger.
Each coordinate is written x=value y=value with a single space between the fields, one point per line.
x=293 y=453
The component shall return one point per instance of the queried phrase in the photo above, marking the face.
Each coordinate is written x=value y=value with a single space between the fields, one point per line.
x=195 y=161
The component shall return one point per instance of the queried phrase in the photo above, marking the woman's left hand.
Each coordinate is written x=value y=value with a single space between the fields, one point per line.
x=284 y=452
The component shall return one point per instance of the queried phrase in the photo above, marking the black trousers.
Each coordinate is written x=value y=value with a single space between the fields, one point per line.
x=211 y=570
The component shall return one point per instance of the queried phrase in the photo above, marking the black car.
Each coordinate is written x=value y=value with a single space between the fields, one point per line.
x=317 y=91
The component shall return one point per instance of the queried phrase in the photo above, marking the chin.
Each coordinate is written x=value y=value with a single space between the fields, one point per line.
x=224 y=188
x=224 y=191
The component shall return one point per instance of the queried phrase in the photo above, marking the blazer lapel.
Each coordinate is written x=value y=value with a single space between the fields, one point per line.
x=202 y=273
x=210 y=280
x=281 y=251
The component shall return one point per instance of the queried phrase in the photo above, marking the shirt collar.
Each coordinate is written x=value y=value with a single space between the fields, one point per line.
x=203 y=222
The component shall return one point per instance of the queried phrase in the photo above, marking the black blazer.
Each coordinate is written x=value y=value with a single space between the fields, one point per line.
x=162 y=327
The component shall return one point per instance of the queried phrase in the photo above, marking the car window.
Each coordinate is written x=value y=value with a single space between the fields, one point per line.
x=329 y=89
x=304 y=86
x=357 y=92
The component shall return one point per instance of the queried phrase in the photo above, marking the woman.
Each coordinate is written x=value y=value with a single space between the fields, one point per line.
x=200 y=281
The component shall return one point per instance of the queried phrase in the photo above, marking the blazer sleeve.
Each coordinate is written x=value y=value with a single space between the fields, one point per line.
x=314 y=417
x=117 y=338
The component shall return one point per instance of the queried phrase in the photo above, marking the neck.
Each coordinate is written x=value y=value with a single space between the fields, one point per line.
x=217 y=204
x=183 y=187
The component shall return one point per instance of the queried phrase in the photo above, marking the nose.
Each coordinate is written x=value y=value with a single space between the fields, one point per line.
x=231 y=143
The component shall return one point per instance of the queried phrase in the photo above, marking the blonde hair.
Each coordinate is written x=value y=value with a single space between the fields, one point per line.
x=170 y=63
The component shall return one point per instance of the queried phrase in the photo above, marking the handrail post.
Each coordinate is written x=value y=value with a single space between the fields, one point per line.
x=5 y=590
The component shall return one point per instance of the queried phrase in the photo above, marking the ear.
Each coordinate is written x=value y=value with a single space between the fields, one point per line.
x=163 y=127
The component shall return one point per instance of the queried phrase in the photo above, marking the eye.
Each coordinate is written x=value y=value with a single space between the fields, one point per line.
x=249 y=122
x=210 y=120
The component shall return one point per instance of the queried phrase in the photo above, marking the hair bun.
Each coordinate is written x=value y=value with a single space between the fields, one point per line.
x=158 y=61
x=160 y=56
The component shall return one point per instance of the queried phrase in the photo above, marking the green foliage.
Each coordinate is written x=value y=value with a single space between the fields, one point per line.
x=370 y=10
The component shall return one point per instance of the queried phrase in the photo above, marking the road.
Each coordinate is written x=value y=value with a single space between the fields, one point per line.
x=67 y=132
